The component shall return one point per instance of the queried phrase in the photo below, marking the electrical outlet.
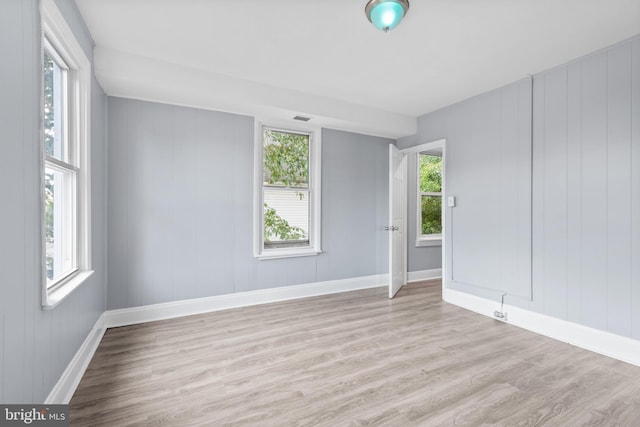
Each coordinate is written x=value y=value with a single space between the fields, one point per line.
x=500 y=315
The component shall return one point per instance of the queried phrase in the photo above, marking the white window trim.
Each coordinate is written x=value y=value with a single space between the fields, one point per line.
x=425 y=240
x=315 y=192
x=57 y=32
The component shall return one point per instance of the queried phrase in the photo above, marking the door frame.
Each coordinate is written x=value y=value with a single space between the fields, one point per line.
x=426 y=146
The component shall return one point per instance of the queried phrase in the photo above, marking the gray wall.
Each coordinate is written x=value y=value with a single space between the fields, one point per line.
x=585 y=188
x=586 y=217
x=181 y=203
x=37 y=345
x=488 y=170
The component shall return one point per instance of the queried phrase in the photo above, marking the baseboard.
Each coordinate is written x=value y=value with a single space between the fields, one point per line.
x=605 y=343
x=170 y=310
x=417 y=276
x=63 y=391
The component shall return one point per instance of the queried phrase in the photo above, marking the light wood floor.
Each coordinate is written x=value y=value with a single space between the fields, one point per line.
x=350 y=359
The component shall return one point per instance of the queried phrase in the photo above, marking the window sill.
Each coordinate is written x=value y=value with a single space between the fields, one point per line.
x=60 y=292
x=287 y=253
x=428 y=241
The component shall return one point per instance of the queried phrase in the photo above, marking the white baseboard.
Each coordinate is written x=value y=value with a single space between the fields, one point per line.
x=170 y=310
x=417 y=276
x=606 y=343
x=63 y=391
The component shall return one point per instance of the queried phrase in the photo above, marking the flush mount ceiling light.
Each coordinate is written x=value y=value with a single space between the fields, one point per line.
x=385 y=15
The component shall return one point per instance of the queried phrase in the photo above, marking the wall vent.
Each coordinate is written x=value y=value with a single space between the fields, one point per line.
x=302 y=118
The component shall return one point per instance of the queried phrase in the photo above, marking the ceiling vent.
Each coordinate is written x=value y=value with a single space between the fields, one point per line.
x=302 y=118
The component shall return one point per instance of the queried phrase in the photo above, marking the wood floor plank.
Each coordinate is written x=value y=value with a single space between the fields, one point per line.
x=350 y=359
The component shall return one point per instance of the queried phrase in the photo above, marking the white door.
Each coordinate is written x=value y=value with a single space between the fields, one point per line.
x=397 y=220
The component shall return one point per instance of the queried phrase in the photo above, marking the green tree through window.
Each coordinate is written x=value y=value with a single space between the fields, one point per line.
x=286 y=168
x=430 y=169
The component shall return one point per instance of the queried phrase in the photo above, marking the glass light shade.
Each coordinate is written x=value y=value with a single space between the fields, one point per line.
x=386 y=15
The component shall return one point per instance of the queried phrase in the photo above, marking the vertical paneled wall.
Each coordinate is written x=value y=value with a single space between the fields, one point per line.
x=635 y=188
x=489 y=173
x=181 y=207
x=36 y=345
x=488 y=170
x=587 y=184
x=585 y=200
x=355 y=205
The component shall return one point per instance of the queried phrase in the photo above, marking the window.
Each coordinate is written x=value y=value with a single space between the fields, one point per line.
x=287 y=193
x=65 y=146
x=429 y=198
x=60 y=173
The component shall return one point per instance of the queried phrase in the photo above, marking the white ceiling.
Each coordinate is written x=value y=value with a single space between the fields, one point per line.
x=324 y=59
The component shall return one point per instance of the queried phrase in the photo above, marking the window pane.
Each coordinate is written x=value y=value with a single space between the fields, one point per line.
x=286 y=218
x=49 y=188
x=60 y=224
x=430 y=173
x=286 y=159
x=53 y=108
x=431 y=214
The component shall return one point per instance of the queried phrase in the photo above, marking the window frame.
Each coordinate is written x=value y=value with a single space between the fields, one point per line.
x=423 y=240
x=58 y=41
x=314 y=191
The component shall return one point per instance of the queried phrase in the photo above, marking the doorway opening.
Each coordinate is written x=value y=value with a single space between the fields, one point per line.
x=429 y=221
